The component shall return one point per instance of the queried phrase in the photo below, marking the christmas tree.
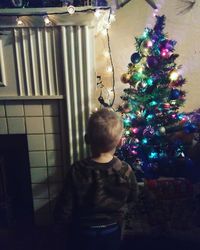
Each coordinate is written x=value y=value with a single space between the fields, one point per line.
x=150 y=106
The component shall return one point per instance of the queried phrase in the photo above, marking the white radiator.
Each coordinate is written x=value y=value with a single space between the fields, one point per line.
x=38 y=61
x=78 y=65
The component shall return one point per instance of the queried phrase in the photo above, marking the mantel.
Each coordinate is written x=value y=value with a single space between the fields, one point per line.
x=33 y=17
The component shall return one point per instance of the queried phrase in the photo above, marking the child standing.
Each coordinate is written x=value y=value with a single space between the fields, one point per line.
x=93 y=202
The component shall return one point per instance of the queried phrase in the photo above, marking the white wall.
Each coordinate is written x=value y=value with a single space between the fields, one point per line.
x=184 y=28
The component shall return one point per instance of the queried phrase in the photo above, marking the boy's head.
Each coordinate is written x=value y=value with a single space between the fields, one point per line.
x=104 y=131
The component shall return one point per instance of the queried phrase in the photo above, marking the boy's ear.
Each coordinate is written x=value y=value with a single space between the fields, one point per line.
x=121 y=141
x=87 y=139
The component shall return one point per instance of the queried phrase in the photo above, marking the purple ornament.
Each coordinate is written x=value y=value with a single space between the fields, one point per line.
x=152 y=61
x=154 y=38
x=169 y=44
x=135 y=58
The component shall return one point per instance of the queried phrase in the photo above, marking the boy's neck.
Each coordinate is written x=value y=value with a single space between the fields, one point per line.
x=104 y=157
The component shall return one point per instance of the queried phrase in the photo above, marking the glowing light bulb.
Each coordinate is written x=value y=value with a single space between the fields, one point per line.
x=106 y=54
x=132 y=116
x=127 y=132
x=46 y=20
x=184 y=119
x=112 y=18
x=165 y=52
x=134 y=152
x=110 y=91
x=19 y=22
x=140 y=70
x=144 y=141
x=149 y=117
x=107 y=25
x=71 y=9
x=127 y=122
x=149 y=44
x=135 y=130
x=145 y=33
x=150 y=81
x=97 y=14
x=109 y=69
x=104 y=32
x=155 y=13
x=153 y=103
x=173 y=76
x=153 y=155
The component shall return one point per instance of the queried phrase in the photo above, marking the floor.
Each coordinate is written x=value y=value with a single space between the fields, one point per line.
x=43 y=240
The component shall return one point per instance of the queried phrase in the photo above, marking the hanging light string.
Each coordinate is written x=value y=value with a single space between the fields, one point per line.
x=53 y=13
x=100 y=98
x=111 y=62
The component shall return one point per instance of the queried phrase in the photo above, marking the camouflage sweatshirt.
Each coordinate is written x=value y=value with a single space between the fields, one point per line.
x=96 y=193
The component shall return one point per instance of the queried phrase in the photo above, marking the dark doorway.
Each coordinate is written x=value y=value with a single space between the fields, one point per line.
x=16 y=202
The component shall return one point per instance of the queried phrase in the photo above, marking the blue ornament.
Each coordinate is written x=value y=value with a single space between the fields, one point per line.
x=189 y=127
x=175 y=93
x=135 y=58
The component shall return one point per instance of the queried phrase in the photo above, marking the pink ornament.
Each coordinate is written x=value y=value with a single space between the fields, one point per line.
x=166 y=105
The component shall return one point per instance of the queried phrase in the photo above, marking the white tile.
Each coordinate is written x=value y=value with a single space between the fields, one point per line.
x=16 y=125
x=55 y=174
x=33 y=108
x=36 y=142
x=2 y=110
x=54 y=158
x=34 y=125
x=52 y=141
x=50 y=108
x=40 y=203
x=14 y=108
x=3 y=126
x=51 y=125
x=37 y=159
x=38 y=175
x=40 y=191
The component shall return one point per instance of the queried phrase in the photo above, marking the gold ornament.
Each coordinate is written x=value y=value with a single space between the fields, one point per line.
x=125 y=78
x=145 y=48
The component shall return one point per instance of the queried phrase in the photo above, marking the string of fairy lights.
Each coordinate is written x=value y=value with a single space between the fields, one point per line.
x=47 y=18
x=109 y=66
x=104 y=22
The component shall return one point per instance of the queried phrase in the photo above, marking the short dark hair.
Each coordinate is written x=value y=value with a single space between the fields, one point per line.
x=104 y=130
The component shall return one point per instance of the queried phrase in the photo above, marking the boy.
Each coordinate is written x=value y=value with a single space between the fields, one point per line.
x=93 y=202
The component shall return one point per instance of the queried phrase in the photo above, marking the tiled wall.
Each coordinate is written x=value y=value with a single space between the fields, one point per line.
x=40 y=120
